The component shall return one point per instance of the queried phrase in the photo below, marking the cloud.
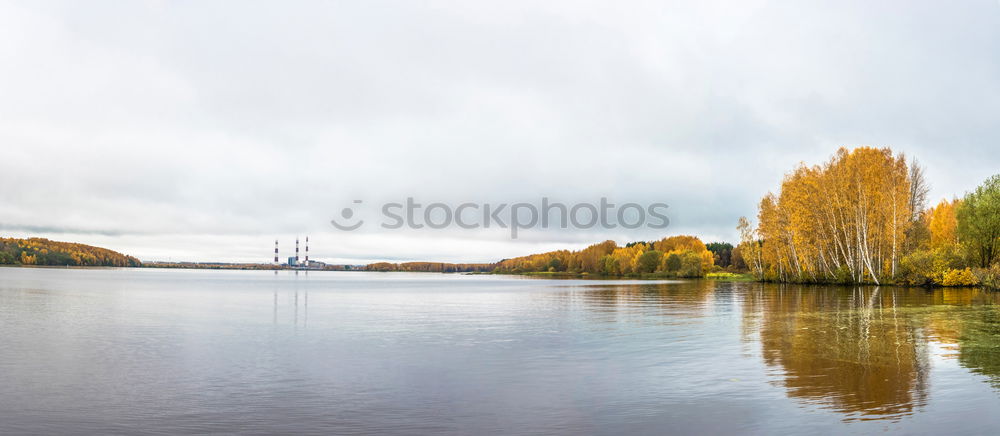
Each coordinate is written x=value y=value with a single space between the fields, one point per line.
x=149 y=127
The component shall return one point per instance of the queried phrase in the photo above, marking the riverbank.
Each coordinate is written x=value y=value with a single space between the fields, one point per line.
x=727 y=277
x=721 y=276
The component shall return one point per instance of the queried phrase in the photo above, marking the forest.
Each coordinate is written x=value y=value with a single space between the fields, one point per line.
x=675 y=256
x=430 y=267
x=862 y=218
x=40 y=251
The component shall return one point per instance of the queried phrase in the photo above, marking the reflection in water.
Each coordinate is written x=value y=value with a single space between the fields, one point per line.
x=119 y=351
x=669 y=300
x=854 y=354
x=865 y=351
x=294 y=297
x=979 y=344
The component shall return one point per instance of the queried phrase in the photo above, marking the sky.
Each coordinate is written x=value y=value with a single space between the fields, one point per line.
x=203 y=131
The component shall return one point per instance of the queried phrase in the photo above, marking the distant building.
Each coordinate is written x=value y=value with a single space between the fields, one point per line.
x=295 y=261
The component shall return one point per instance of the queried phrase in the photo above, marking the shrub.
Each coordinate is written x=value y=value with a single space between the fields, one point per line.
x=649 y=261
x=989 y=277
x=672 y=262
x=691 y=265
x=948 y=257
x=916 y=269
x=930 y=267
x=959 y=277
x=843 y=275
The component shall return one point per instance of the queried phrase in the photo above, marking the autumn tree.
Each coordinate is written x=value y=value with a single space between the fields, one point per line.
x=685 y=243
x=749 y=248
x=41 y=251
x=609 y=259
x=943 y=223
x=919 y=188
x=847 y=218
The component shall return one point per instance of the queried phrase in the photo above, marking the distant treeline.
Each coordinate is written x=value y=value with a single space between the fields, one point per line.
x=241 y=266
x=40 y=251
x=431 y=267
x=675 y=256
x=209 y=265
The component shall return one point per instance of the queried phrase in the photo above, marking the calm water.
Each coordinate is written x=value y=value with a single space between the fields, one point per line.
x=251 y=352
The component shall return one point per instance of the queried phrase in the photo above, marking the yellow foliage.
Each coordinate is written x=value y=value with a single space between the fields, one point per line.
x=943 y=221
x=682 y=243
x=608 y=258
x=39 y=251
x=845 y=220
x=27 y=259
x=960 y=277
x=627 y=257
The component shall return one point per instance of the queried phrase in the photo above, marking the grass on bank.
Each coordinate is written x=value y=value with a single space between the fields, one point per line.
x=731 y=277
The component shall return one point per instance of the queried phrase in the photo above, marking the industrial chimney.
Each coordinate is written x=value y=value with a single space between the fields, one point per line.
x=307 y=251
x=296 y=251
x=276 y=252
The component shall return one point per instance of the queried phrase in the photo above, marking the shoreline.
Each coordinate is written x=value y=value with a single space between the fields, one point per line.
x=721 y=277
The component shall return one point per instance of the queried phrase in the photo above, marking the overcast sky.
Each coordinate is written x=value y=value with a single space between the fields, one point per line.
x=204 y=130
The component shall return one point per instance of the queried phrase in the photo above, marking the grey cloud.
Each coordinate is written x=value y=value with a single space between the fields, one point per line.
x=250 y=119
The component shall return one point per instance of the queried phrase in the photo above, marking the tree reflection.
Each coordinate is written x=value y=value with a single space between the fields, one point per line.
x=687 y=299
x=979 y=344
x=863 y=352
x=851 y=350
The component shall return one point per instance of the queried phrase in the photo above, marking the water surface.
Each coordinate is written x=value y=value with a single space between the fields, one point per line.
x=126 y=351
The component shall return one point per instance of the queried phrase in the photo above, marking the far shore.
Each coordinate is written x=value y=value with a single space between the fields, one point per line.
x=717 y=276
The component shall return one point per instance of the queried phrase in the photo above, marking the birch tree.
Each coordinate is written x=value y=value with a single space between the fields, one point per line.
x=846 y=219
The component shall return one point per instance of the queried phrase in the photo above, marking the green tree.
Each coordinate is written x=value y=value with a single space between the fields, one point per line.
x=673 y=262
x=979 y=222
x=611 y=266
x=649 y=261
x=722 y=252
x=690 y=265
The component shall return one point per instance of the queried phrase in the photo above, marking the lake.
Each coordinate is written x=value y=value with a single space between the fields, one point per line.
x=153 y=351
